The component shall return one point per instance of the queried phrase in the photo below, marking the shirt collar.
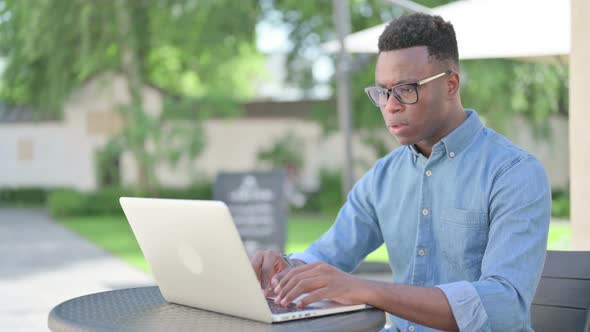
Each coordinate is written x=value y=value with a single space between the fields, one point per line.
x=458 y=139
x=414 y=150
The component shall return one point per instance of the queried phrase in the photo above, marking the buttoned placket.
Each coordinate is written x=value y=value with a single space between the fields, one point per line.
x=424 y=234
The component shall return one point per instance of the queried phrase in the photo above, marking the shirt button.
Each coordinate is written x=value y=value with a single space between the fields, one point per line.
x=411 y=328
x=452 y=154
x=425 y=212
x=421 y=252
x=428 y=173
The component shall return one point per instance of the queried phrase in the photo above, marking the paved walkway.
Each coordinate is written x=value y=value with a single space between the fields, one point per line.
x=43 y=264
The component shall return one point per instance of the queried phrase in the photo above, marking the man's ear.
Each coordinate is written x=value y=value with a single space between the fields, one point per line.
x=453 y=84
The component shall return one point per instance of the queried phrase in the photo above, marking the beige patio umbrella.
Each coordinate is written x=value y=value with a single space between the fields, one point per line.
x=537 y=30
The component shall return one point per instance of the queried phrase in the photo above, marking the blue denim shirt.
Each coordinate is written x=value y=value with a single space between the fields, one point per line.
x=471 y=220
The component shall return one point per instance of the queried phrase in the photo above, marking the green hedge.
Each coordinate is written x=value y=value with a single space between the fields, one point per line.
x=23 y=196
x=560 y=204
x=68 y=202
x=328 y=199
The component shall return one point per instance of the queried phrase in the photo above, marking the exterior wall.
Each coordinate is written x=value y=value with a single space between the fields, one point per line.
x=60 y=157
x=63 y=153
x=233 y=145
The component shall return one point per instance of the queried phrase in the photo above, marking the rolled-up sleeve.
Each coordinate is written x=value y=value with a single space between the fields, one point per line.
x=520 y=210
x=466 y=306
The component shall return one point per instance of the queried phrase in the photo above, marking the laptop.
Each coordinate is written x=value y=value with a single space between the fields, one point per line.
x=198 y=259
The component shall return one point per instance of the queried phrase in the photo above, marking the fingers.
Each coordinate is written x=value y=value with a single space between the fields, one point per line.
x=318 y=295
x=271 y=264
x=256 y=262
x=292 y=273
x=300 y=280
x=274 y=281
x=319 y=281
x=303 y=286
x=266 y=264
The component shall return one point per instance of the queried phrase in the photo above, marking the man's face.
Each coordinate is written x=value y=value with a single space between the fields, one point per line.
x=420 y=123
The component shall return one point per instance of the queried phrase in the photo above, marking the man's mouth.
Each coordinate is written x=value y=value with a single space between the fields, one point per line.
x=397 y=124
x=397 y=127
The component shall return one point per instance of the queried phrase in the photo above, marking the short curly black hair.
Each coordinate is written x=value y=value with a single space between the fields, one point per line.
x=421 y=30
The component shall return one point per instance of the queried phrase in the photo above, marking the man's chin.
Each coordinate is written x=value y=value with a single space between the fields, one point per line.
x=404 y=140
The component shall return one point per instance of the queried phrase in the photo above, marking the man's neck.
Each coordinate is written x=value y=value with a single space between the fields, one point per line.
x=457 y=117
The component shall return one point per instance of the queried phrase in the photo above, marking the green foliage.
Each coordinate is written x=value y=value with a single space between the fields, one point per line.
x=200 y=108
x=311 y=23
x=328 y=199
x=23 y=196
x=199 y=191
x=366 y=117
x=69 y=202
x=107 y=163
x=190 y=49
x=499 y=89
x=285 y=152
x=50 y=47
x=560 y=205
x=66 y=202
x=105 y=201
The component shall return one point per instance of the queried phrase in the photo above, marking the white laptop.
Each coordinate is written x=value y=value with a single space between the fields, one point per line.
x=198 y=260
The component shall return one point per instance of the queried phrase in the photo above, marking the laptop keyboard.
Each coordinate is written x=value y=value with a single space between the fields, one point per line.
x=279 y=309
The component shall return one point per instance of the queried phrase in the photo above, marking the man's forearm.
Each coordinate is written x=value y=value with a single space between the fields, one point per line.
x=422 y=305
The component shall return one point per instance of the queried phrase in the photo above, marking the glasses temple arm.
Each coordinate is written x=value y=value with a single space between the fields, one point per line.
x=426 y=80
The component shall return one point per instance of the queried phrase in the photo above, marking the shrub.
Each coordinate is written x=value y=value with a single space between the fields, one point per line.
x=105 y=201
x=560 y=204
x=328 y=199
x=287 y=151
x=198 y=191
x=27 y=196
x=66 y=202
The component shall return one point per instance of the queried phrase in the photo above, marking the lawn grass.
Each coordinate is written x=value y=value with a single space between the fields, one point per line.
x=113 y=234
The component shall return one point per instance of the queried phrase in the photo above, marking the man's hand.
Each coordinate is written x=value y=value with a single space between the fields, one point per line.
x=266 y=264
x=320 y=281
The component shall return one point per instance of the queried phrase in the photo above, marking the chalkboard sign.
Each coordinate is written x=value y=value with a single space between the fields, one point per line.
x=258 y=204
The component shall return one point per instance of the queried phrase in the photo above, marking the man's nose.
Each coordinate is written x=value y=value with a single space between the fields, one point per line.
x=393 y=105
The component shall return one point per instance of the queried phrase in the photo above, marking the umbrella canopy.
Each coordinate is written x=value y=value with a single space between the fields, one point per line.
x=524 y=29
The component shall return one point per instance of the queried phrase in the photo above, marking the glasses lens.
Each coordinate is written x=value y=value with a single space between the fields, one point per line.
x=407 y=93
x=378 y=96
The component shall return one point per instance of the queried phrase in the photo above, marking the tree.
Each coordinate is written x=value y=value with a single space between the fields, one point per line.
x=311 y=23
x=501 y=88
x=199 y=52
x=498 y=89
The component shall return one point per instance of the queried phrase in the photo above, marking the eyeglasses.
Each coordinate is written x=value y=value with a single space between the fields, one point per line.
x=406 y=93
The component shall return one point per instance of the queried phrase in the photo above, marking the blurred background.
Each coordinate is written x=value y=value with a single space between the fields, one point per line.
x=102 y=99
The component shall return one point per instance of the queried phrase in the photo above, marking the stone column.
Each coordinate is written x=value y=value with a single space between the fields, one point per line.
x=579 y=124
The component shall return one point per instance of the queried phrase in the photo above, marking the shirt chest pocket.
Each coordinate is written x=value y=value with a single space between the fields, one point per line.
x=463 y=238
